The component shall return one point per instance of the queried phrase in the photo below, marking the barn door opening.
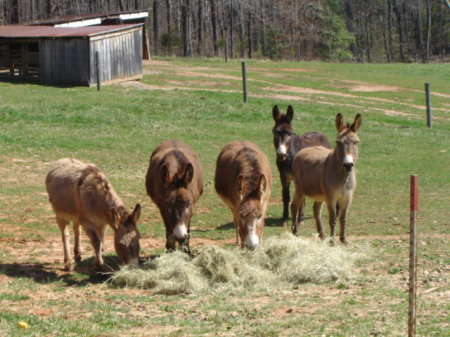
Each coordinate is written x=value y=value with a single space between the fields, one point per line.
x=19 y=60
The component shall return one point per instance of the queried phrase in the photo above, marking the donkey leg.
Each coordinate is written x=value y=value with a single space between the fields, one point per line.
x=236 y=227
x=332 y=218
x=62 y=224
x=170 y=241
x=296 y=209
x=317 y=209
x=96 y=243
x=344 y=204
x=285 y=183
x=76 y=248
x=100 y=231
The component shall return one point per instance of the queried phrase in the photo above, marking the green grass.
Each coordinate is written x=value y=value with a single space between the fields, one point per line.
x=118 y=128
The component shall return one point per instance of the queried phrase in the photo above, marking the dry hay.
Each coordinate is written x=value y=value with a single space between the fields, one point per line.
x=281 y=260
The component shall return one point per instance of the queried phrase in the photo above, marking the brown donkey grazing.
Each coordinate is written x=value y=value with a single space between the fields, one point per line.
x=327 y=175
x=287 y=144
x=81 y=193
x=244 y=180
x=174 y=182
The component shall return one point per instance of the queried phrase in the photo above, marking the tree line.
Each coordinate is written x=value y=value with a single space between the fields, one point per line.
x=334 y=30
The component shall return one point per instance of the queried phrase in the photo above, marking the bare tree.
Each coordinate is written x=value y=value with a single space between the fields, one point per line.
x=156 y=26
x=428 y=34
x=185 y=23
x=200 y=27
x=168 y=16
x=214 y=26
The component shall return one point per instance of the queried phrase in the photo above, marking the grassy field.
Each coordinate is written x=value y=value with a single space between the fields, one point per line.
x=200 y=102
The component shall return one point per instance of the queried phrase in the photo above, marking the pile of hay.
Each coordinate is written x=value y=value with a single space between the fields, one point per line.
x=281 y=260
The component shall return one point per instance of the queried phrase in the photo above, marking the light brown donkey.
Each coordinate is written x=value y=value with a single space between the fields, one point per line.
x=327 y=175
x=174 y=182
x=81 y=193
x=244 y=182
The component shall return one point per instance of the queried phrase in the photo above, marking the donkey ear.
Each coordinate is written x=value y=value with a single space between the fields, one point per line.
x=290 y=113
x=262 y=185
x=339 y=122
x=136 y=213
x=115 y=218
x=165 y=175
x=357 y=123
x=240 y=186
x=188 y=173
x=275 y=113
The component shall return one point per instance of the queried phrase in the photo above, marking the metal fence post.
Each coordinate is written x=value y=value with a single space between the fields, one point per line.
x=428 y=99
x=97 y=66
x=244 y=80
x=414 y=208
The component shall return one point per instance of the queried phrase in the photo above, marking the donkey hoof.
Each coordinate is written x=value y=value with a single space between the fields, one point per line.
x=284 y=222
x=322 y=237
x=344 y=242
x=78 y=258
x=68 y=267
x=332 y=243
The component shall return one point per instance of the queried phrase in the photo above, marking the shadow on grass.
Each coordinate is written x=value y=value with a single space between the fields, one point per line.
x=44 y=273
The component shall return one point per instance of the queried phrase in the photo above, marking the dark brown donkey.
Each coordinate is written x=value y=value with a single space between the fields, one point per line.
x=174 y=182
x=244 y=181
x=327 y=175
x=81 y=193
x=287 y=144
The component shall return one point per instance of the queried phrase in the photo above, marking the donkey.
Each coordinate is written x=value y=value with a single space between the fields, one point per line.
x=287 y=144
x=327 y=175
x=174 y=182
x=244 y=180
x=81 y=193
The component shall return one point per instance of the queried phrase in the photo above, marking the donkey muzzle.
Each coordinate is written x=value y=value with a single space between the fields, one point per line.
x=282 y=157
x=180 y=233
x=348 y=162
x=348 y=166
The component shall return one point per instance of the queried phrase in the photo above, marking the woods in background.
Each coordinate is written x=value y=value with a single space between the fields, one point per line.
x=333 y=30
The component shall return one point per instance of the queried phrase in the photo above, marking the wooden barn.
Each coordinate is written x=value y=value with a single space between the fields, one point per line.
x=109 y=18
x=67 y=55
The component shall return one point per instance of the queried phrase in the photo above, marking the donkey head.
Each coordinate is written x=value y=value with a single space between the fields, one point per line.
x=126 y=234
x=282 y=131
x=178 y=201
x=250 y=211
x=347 y=141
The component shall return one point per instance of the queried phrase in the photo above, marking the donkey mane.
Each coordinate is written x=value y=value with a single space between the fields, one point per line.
x=252 y=170
x=182 y=162
x=95 y=182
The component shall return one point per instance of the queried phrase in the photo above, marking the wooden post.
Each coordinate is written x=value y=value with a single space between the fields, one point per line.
x=244 y=80
x=414 y=208
x=97 y=66
x=428 y=100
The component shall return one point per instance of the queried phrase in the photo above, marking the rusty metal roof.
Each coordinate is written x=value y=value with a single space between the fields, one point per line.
x=78 y=17
x=16 y=31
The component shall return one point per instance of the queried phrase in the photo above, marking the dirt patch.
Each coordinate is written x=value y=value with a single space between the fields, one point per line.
x=295 y=70
x=216 y=75
x=144 y=86
x=374 y=88
x=202 y=83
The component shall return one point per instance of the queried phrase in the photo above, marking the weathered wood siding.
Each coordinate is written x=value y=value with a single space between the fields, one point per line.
x=72 y=60
x=64 y=61
x=120 y=56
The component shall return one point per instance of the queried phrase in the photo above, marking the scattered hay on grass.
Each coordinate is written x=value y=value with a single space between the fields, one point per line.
x=169 y=274
x=281 y=260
